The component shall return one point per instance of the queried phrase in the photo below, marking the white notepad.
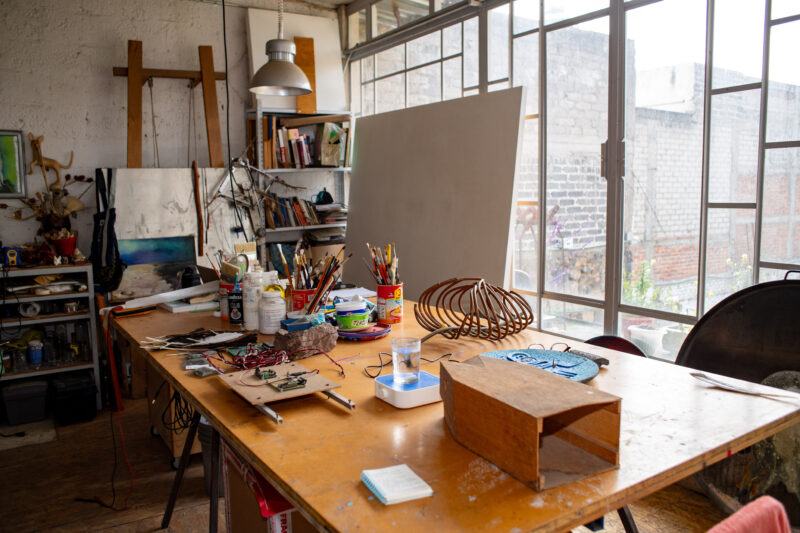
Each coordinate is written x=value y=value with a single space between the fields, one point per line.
x=395 y=484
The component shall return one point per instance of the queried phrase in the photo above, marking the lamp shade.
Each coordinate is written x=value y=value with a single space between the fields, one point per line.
x=279 y=76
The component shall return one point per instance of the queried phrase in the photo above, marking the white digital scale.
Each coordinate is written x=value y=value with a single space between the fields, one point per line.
x=407 y=395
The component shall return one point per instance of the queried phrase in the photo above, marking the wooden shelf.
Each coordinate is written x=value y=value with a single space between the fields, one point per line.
x=45 y=319
x=306 y=170
x=308 y=228
x=16 y=272
x=11 y=299
x=44 y=371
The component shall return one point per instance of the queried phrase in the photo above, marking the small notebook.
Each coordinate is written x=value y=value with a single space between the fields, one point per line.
x=395 y=484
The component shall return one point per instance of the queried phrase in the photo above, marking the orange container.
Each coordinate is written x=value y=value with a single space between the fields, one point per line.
x=301 y=298
x=390 y=304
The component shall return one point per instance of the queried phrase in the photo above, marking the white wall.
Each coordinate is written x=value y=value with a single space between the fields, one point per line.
x=55 y=80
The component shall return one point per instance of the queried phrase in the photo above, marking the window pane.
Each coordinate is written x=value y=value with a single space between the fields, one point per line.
x=368 y=99
x=499 y=86
x=451 y=40
x=471 y=92
x=663 y=156
x=391 y=14
x=526 y=15
x=729 y=256
x=577 y=100
x=471 y=52
x=424 y=85
x=452 y=78
x=424 y=49
x=579 y=321
x=357 y=28
x=555 y=10
x=391 y=60
x=368 y=68
x=784 y=8
x=661 y=339
x=526 y=230
x=390 y=93
x=446 y=3
x=498 y=43
x=783 y=107
x=355 y=87
x=526 y=70
x=733 y=146
x=738 y=42
x=770 y=274
x=780 y=226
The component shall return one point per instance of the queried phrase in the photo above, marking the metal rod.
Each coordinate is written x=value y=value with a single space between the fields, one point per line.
x=278 y=419
x=762 y=138
x=176 y=483
x=338 y=398
x=736 y=88
x=704 y=183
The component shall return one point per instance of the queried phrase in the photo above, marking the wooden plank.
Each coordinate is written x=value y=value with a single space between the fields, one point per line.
x=135 y=81
x=210 y=107
x=246 y=384
x=310 y=121
x=673 y=426
x=304 y=59
x=167 y=73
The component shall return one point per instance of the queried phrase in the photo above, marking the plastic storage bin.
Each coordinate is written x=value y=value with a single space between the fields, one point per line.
x=25 y=402
x=74 y=398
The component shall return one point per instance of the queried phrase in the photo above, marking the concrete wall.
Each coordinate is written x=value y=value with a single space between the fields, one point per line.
x=56 y=81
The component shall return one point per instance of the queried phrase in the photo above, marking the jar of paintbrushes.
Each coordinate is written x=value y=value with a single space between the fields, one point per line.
x=384 y=268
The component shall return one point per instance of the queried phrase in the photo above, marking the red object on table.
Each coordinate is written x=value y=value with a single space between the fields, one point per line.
x=65 y=246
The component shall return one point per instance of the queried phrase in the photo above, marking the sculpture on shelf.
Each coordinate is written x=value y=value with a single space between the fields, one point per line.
x=46 y=164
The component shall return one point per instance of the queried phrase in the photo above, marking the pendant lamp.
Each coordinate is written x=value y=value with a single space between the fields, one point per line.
x=279 y=76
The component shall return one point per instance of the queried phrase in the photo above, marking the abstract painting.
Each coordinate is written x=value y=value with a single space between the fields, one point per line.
x=12 y=164
x=154 y=265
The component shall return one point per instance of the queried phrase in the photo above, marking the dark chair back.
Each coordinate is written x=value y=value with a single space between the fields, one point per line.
x=612 y=342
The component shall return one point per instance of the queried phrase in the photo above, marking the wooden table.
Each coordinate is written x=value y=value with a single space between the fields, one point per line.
x=672 y=427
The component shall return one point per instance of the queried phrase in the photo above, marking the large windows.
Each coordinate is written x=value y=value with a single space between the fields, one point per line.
x=659 y=164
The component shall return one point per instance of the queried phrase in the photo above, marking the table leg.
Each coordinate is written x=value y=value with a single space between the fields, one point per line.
x=626 y=517
x=214 y=505
x=176 y=483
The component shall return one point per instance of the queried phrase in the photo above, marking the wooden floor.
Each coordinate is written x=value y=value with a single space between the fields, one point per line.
x=40 y=484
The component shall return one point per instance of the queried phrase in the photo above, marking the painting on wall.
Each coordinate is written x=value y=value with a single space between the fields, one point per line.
x=12 y=164
x=154 y=265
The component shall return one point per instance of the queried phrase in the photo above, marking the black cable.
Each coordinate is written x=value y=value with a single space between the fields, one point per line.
x=96 y=499
x=183 y=413
x=228 y=123
x=369 y=370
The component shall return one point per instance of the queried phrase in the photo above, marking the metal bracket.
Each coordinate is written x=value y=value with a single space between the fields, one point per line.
x=278 y=419
x=338 y=398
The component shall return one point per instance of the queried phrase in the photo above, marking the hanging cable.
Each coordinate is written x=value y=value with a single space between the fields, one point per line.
x=229 y=164
x=153 y=123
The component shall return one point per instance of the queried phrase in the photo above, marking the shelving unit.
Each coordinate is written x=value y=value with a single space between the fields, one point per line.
x=339 y=173
x=85 y=272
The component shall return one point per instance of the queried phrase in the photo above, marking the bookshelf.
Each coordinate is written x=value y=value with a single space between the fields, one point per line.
x=263 y=127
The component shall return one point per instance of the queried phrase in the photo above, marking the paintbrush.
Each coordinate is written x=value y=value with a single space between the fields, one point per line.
x=285 y=266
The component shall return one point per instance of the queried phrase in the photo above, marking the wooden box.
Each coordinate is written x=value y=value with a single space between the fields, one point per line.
x=542 y=429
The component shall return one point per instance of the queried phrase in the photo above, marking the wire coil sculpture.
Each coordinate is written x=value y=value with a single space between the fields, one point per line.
x=472 y=307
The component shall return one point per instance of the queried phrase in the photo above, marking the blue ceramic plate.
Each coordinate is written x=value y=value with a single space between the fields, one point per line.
x=564 y=364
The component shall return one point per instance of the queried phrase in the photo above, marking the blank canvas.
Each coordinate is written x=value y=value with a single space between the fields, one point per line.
x=438 y=181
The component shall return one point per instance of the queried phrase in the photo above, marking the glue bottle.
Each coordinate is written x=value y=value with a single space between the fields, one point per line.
x=251 y=294
x=235 y=303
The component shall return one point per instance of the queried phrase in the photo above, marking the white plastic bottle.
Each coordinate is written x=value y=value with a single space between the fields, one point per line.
x=271 y=310
x=251 y=294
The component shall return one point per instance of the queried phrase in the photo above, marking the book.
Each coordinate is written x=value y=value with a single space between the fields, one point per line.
x=395 y=484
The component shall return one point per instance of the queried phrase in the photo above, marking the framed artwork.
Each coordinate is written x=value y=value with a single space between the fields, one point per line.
x=12 y=164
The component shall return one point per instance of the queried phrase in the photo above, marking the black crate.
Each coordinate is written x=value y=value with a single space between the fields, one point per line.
x=73 y=398
x=25 y=402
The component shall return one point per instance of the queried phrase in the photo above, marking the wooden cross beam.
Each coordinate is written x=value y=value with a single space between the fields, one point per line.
x=137 y=76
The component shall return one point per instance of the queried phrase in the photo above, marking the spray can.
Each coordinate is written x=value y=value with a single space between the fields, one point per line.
x=235 y=312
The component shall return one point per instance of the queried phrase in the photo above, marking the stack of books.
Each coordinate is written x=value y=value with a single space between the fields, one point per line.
x=289 y=212
x=319 y=145
x=332 y=213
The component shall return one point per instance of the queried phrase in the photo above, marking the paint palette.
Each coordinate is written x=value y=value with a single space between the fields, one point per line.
x=370 y=334
x=564 y=364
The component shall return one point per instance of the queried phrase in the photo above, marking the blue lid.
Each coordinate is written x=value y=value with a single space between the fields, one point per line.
x=425 y=380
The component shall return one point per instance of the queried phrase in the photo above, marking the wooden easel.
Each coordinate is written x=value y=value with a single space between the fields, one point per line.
x=138 y=75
